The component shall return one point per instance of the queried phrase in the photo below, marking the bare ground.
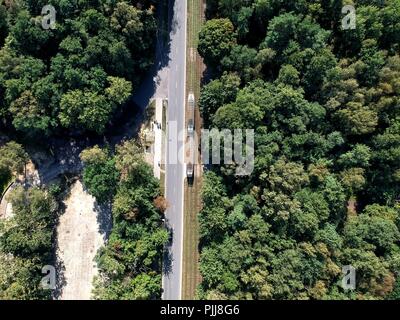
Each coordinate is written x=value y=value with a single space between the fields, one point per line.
x=81 y=231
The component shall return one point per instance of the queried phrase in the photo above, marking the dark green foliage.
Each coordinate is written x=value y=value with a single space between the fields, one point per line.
x=216 y=40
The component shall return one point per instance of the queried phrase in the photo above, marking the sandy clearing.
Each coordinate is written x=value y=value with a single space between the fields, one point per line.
x=79 y=236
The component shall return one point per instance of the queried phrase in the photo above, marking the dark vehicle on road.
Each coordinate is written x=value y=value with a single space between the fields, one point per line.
x=190 y=171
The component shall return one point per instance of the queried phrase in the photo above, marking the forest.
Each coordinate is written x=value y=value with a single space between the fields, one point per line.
x=71 y=79
x=130 y=263
x=324 y=102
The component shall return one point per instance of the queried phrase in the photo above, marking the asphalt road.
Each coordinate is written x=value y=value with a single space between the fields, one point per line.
x=175 y=168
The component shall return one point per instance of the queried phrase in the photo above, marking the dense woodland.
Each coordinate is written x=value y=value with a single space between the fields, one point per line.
x=130 y=263
x=325 y=106
x=72 y=78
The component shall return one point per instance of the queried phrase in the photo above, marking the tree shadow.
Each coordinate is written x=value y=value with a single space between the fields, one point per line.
x=104 y=219
x=167 y=254
x=163 y=48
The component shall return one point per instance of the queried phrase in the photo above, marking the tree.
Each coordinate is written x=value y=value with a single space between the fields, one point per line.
x=119 y=90
x=316 y=71
x=77 y=74
x=353 y=179
x=371 y=62
x=324 y=106
x=374 y=276
x=134 y=170
x=125 y=19
x=360 y=155
x=395 y=294
x=243 y=21
x=288 y=31
x=314 y=212
x=357 y=119
x=238 y=116
x=390 y=20
x=20 y=279
x=3 y=24
x=379 y=232
x=286 y=278
x=242 y=60
x=217 y=93
x=286 y=176
x=30 y=38
x=288 y=75
x=216 y=39
x=130 y=263
x=330 y=237
x=212 y=217
x=87 y=110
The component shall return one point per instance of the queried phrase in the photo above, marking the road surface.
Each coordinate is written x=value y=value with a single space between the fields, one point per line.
x=172 y=274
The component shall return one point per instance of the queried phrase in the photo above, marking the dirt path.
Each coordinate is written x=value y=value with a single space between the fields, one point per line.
x=80 y=234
